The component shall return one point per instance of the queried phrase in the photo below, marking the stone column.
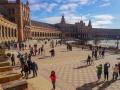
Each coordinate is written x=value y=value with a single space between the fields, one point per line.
x=20 y=22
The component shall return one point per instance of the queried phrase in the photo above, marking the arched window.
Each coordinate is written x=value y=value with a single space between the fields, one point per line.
x=12 y=33
x=2 y=31
x=6 y=31
x=9 y=33
x=15 y=33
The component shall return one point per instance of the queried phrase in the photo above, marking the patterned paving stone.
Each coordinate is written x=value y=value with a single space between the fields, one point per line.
x=82 y=77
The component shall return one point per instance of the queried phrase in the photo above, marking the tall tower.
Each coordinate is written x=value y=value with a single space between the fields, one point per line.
x=20 y=21
x=27 y=3
x=18 y=1
x=89 y=24
x=63 y=20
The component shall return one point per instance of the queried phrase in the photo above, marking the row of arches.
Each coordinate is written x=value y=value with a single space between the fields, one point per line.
x=46 y=34
x=7 y=32
x=77 y=35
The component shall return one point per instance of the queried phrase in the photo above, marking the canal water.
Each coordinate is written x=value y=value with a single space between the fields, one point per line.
x=106 y=43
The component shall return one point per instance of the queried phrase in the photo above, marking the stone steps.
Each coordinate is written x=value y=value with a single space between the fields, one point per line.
x=3 y=59
x=9 y=77
x=15 y=85
x=9 y=80
x=2 y=64
x=6 y=68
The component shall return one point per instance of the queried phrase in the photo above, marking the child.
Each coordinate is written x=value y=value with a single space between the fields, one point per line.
x=53 y=79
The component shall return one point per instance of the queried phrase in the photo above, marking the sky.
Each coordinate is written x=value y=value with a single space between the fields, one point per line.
x=102 y=13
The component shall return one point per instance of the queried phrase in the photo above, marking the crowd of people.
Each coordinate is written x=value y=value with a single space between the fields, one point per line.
x=104 y=69
x=98 y=52
x=28 y=65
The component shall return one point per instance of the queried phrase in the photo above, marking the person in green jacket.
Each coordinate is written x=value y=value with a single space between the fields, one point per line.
x=99 y=71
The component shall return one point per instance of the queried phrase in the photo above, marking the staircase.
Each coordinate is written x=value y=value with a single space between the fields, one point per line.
x=9 y=80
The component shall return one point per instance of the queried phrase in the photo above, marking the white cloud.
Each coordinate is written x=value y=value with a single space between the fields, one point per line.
x=84 y=2
x=105 y=4
x=103 y=17
x=101 y=21
x=98 y=21
x=105 y=0
x=72 y=19
x=43 y=6
x=33 y=1
x=69 y=6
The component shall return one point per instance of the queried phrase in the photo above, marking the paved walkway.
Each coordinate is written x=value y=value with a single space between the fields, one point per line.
x=72 y=71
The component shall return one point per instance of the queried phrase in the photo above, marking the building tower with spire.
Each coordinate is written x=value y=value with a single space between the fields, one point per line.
x=63 y=20
x=89 y=24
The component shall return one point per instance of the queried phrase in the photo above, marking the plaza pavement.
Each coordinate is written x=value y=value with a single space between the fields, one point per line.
x=71 y=71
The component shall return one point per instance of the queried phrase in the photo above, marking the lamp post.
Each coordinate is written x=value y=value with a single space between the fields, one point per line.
x=117 y=42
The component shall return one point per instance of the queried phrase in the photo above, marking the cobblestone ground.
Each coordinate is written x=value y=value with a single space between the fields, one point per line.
x=74 y=74
x=72 y=71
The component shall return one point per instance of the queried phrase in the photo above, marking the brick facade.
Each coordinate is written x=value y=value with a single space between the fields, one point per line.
x=18 y=13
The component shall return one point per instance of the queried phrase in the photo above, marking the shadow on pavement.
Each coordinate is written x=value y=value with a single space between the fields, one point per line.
x=106 y=84
x=118 y=58
x=84 y=66
x=90 y=86
x=63 y=51
x=44 y=57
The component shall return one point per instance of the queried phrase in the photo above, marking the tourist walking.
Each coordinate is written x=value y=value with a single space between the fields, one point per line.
x=115 y=72
x=67 y=47
x=106 y=71
x=13 y=60
x=103 y=53
x=52 y=51
x=93 y=53
x=89 y=60
x=22 y=69
x=119 y=68
x=96 y=54
x=26 y=69
x=53 y=79
x=29 y=63
x=42 y=49
x=26 y=57
x=34 y=68
x=31 y=51
x=99 y=71
x=39 y=51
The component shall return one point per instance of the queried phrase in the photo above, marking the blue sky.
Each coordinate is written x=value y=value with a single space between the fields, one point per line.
x=103 y=13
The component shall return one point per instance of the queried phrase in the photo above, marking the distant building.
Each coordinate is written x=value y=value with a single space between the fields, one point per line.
x=16 y=25
x=85 y=32
x=16 y=15
x=41 y=31
x=75 y=31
